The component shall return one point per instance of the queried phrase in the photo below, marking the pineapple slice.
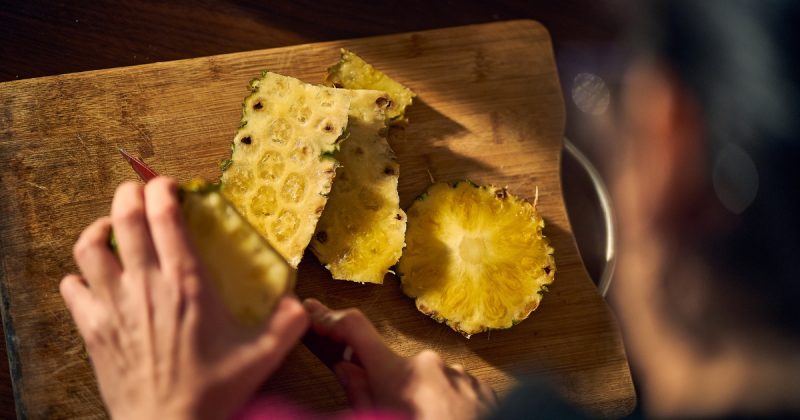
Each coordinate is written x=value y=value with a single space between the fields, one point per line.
x=476 y=257
x=352 y=72
x=248 y=273
x=361 y=232
x=281 y=169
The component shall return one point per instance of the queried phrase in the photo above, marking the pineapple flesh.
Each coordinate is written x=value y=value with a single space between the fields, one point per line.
x=361 y=232
x=281 y=169
x=248 y=273
x=352 y=72
x=475 y=258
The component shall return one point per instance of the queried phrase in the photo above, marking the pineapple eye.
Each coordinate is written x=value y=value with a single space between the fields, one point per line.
x=247 y=140
x=389 y=171
x=398 y=217
x=381 y=102
x=328 y=128
x=321 y=237
x=258 y=105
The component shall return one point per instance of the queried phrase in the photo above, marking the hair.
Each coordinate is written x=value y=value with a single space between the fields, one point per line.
x=739 y=61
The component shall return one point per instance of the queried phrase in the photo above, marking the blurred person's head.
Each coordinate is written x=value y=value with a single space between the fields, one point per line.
x=707 y=285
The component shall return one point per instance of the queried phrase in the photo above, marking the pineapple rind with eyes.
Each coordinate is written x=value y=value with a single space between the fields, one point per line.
x=361 y=232
x=352 y=72
x=281 y=168
x=476 y=258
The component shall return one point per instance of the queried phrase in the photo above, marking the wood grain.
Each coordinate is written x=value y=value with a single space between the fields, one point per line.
x=489 y=109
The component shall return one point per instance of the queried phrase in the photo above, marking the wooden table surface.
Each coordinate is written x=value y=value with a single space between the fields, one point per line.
x=39 y=38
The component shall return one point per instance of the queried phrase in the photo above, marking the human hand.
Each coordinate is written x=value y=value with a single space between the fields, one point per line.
x=421 y=386
x=162 y=343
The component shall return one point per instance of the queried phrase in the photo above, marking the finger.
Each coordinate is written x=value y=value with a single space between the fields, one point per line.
x=131 y=229
x=458 y=368
x=487 y=393
x=282 y=333
x=98 y=264
x=170 y=238
x=80 y=303
x=354 y=329
x=355 y=383
x=177 y=260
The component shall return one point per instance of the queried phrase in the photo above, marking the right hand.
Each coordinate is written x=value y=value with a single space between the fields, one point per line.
x=422 y=386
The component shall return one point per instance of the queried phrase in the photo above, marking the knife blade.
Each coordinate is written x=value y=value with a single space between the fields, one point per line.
x=145 y=172
x=328 y=351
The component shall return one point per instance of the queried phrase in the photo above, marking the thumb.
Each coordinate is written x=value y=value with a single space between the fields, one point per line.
x=355 y=383
x=280 y=335
x=351 y=327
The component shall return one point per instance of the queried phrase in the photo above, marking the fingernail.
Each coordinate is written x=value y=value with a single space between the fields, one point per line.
x=314 y=307
x=341 y=375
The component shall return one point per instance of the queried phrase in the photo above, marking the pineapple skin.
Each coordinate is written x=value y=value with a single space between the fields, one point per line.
x=362 y=230
x=248 y=273
x=281 y=168
x=352 y=72
x=476 y=258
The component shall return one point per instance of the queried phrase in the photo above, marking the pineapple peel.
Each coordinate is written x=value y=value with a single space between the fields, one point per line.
x=281 y=171
x=476 y=258
x=361 y=232
x=352 y=72
x=248 y=273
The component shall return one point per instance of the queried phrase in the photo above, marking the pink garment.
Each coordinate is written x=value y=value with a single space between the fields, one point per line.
x=271 y=408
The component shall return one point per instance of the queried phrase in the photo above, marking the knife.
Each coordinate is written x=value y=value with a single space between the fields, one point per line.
x=328 y=351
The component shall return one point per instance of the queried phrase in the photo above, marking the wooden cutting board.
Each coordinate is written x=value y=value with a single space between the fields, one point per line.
x=489 y=108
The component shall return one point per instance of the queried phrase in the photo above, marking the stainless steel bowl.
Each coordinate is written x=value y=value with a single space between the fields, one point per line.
x=590 y=213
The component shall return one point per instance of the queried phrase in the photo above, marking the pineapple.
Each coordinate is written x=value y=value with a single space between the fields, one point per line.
x=361 y=232
x=476 y=257
x=281 y=168
x=352 y=72
x=248 y=273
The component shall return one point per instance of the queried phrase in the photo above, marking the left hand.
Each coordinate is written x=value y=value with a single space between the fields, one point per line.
x=162 y=343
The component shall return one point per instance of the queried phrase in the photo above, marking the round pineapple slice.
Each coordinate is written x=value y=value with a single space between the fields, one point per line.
x=475 y=257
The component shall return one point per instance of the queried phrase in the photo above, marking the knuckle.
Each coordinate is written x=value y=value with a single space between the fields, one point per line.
x=172 y=295
x=80 y=249
x=93 y=236
x=353 y=314
x=352 y=318
x=66 y=285
x=165 y=211
x=128 y=214
x=190 y=288
x=94 y=331
x=184 y=270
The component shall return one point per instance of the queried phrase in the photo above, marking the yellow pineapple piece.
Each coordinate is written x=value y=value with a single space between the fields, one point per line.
x=361 y=232
x=352 y=72
x=281 y=169
x=475 y=258
x=248 y=273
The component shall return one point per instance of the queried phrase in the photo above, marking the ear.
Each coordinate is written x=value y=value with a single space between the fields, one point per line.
x=665 y=133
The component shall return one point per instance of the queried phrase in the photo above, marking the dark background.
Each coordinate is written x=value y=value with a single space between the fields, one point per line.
x=42 y=38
